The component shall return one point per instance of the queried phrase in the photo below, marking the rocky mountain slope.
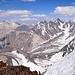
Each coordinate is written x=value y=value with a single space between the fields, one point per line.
x=6 y=27
x=40 y=46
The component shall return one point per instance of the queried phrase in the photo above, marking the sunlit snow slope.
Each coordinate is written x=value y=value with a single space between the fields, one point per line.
x=66 y=66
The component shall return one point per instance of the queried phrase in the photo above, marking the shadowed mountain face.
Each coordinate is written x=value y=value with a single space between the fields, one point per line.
x=38 y=43
x=22 y=28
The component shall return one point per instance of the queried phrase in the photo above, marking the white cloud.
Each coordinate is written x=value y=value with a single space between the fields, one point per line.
x=21 y=16
x=39 y=15
x=19 y=12
x=28 y=19
x=73 y=3
x=24 y=15
x=65 y=10
x=4 y=13
x=28 y=0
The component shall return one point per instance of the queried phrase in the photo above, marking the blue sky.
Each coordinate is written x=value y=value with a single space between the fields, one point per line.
x=33 y=11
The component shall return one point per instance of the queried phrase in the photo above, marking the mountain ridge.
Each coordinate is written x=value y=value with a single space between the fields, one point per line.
x=38 y=44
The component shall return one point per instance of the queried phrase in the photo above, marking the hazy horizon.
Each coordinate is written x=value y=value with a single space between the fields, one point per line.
x=33 y=11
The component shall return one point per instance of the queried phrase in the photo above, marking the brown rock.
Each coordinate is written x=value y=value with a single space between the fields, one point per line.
x=16 y=70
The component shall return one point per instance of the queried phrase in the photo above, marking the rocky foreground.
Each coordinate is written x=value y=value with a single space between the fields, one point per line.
x=15 y=70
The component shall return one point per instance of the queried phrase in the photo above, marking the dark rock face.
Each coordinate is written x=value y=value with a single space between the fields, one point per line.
x=15 y=70
x=68 y=48
x=2 y=64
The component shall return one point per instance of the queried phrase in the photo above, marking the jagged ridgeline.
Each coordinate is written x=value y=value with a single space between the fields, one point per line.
x=16 y=70
x=36 y=46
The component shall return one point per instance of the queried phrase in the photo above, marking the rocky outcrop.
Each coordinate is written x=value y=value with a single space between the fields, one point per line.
x=16 y=70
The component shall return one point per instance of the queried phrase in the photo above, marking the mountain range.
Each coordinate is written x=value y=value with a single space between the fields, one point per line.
x=46 y=45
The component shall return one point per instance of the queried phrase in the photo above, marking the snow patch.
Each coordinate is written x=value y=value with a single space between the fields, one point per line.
x=25 y=62
x=56 y=57
x=66 y=66
x=43 y=30
x=61 y=26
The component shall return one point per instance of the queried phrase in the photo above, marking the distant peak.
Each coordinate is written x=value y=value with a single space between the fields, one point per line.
x=58 y=20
